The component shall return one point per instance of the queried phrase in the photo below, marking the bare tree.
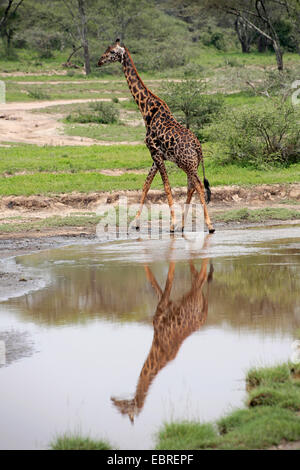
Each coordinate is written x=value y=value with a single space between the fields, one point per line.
x=266 y=29
x=77 y=11
x=258 y=17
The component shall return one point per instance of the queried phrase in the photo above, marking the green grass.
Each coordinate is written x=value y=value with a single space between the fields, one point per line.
x=40 y=159
x=267 y=376
x=83 y=220
x=77 y=442
x=259 y=428
x=107 y=132
x=268 y=420
x=187 y=436
x=285 y=395
x=257 y=215
x=66 y=169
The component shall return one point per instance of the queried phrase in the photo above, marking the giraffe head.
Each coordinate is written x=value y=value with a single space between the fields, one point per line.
x=113 y=53
x=127 y=407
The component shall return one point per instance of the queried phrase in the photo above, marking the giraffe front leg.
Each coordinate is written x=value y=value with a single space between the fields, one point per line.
x=168 y=287
x=146 y=187
x=164 y=176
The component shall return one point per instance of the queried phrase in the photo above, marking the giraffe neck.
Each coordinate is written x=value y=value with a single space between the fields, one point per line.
x=153 y=364
x=138 y=89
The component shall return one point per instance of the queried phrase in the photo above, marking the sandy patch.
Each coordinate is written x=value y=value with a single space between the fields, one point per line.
x=18 y=124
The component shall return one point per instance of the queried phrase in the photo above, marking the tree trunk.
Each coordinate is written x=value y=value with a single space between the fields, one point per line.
x=262 y=44
x=278 y=53
x=244 y=35
x=84 y=38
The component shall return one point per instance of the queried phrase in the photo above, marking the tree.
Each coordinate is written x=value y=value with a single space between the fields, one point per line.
x=8 y=15
x=77 y=11
x=245 y=34
x=258 y=15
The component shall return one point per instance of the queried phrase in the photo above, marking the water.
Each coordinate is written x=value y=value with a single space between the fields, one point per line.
x=89 y=359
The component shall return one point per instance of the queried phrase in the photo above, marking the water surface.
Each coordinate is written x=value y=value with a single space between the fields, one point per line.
x=128 y=334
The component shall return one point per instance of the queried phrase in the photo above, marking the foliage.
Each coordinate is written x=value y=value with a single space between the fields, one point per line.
x=44 y=42
x=38 y=94
x=275 y=83
x=268 y=135
x=100 y=112
x=189 y=103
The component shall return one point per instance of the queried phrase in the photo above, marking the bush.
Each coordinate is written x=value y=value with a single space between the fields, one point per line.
x=98 y=112
x=276 y=83
x=189 y=103
x=266 y=136
x=38 y=94
x=44 y=42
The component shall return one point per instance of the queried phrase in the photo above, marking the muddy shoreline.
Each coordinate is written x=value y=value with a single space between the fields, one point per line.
x=16 y=280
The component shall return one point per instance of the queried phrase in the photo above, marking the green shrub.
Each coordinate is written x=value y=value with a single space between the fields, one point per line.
x=99 y=112
x=276 y=83
x=189 y=103
x=264 y=136
x=44 y=42
x=38 y=94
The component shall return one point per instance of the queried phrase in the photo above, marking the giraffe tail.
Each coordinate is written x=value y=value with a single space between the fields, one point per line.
x=206 y=183
x=207 y=191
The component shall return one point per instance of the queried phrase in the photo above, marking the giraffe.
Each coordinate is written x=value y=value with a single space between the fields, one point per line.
x=166 y=139
x=173 y=322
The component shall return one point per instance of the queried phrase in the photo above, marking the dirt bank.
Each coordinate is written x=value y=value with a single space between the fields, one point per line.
x=266 y=195
x=17 y=211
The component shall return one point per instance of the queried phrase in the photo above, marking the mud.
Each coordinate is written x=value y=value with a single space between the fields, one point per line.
x=222 y=196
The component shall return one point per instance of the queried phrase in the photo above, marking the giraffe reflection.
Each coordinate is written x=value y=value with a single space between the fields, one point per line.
x=173 y=322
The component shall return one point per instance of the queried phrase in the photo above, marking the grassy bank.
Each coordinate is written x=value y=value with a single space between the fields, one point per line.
x=89 y=220
x=19 y=224
x=271 y=417
x=76 y=442
x=257 y=215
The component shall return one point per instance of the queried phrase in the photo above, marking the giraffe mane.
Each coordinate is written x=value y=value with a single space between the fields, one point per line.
x=138 y=75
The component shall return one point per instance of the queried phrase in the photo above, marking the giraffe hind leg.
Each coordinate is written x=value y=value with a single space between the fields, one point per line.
x=190 y=193
x=200 y=190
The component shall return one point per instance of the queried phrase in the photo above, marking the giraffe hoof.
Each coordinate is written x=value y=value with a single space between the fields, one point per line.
x=137 y=228
x=211 y=230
